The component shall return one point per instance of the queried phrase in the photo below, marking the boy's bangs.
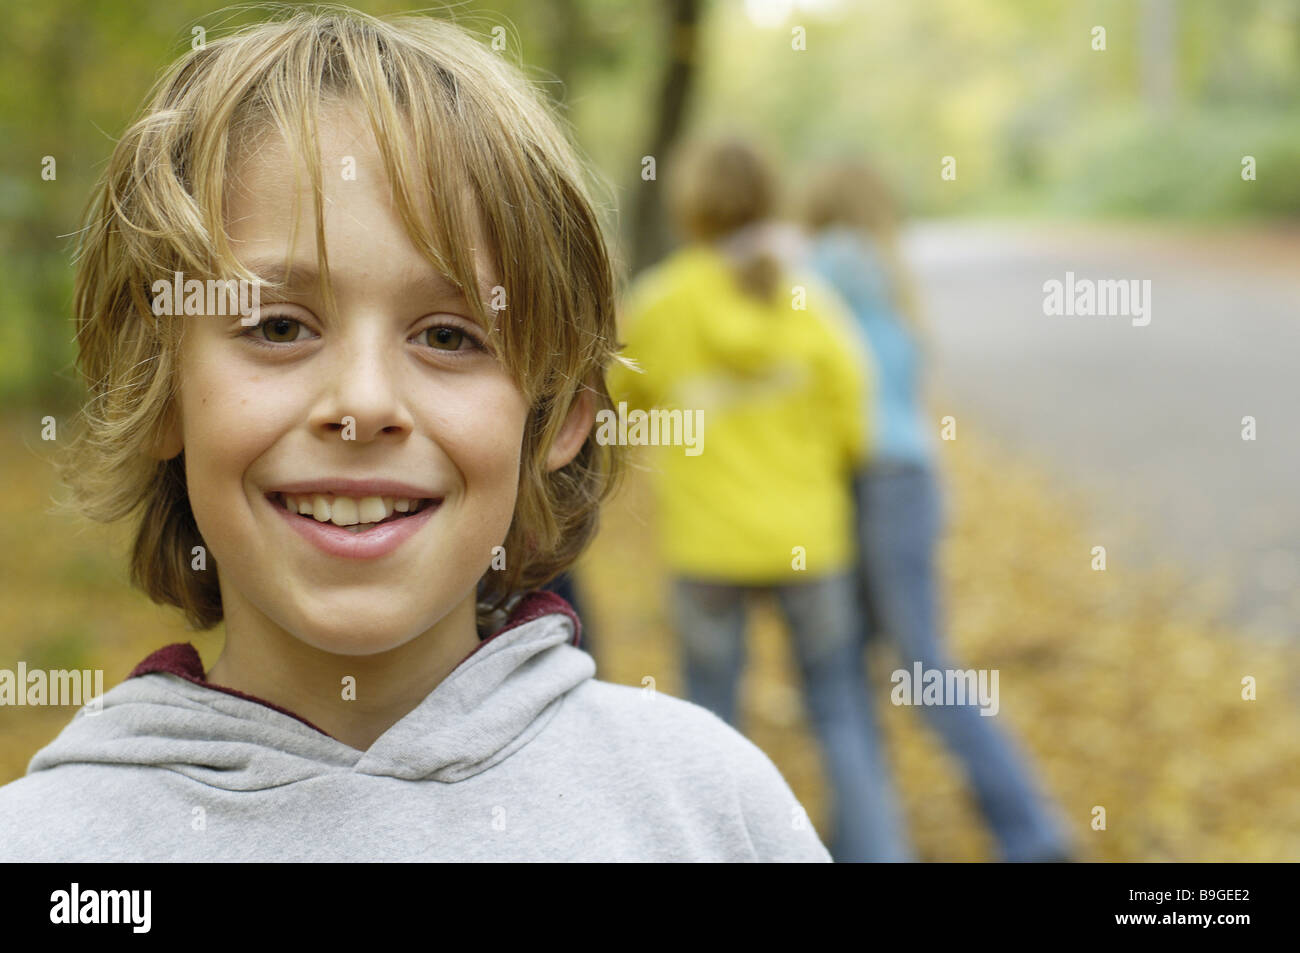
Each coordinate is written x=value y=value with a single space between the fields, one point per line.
x=423 y=145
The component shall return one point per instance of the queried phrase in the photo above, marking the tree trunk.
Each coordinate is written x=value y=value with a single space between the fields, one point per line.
x=650 y=236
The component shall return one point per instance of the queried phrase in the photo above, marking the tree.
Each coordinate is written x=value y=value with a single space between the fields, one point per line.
x=650 y=237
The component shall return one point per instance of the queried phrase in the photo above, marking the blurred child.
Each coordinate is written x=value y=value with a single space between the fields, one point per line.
x=855 y=249
x=763 y=504
x=365 y=479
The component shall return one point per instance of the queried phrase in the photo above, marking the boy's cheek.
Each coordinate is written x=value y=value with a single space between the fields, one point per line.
x=231 y=411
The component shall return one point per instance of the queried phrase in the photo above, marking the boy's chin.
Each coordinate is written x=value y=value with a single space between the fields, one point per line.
x=364 y=631
x=338 y=643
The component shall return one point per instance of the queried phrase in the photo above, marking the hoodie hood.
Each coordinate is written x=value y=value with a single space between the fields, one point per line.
x=735 y=331
x=784 y=243
x=491 y=705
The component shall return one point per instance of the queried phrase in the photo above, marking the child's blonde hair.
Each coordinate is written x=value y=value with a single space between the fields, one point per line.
x=451 y=119
x=720 y=186
x=849 y=193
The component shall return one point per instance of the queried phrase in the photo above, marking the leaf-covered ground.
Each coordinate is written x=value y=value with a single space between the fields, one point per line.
x=1119 y=684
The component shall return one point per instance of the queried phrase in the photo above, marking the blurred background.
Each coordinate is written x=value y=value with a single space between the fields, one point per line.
x=1122 y=162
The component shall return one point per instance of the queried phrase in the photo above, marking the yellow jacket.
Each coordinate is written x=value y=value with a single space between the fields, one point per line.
x=764 y=496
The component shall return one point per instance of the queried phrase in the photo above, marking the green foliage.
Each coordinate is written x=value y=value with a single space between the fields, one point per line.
x=1039 y=121
x=1185 y=165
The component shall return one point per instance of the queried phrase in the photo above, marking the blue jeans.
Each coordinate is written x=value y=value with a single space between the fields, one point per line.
x=821 y=614
x=899 y=522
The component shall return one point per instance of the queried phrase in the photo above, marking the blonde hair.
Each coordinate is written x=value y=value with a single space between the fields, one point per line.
x=848 y=193
x=451 y=119
x=720 y=186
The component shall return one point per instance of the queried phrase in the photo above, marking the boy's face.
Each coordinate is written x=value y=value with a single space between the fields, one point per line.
x=392 y=387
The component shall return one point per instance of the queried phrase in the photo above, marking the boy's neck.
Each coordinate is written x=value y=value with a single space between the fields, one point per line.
x=353 y=698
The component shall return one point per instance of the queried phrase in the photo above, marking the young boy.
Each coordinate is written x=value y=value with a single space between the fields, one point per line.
x=365 y=471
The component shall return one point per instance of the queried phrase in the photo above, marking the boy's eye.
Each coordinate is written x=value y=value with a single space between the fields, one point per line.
x=280 y=330
x=444 y=337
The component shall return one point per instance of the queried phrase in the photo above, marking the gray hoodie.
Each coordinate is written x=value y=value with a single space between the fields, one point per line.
x=519 y=754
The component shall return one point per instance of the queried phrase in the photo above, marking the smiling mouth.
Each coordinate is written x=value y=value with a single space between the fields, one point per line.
x=355 y=514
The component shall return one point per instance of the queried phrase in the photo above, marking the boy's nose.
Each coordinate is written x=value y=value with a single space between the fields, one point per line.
x=362 y=398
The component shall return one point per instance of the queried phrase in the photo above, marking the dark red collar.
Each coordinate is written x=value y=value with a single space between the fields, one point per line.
x=182 y=659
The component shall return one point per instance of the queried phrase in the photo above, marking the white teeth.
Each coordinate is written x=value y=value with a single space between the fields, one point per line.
x=344 y=512
x=371 y=509
x=320 y=508
x=348 y=511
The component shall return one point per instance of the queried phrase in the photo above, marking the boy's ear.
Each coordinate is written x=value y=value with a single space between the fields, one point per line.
x=574 y=430
x=169 y=442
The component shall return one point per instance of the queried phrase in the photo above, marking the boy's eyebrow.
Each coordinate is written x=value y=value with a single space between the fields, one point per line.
x=299 y=276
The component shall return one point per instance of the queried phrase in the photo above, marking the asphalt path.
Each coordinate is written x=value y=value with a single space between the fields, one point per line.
x=1144 y=420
